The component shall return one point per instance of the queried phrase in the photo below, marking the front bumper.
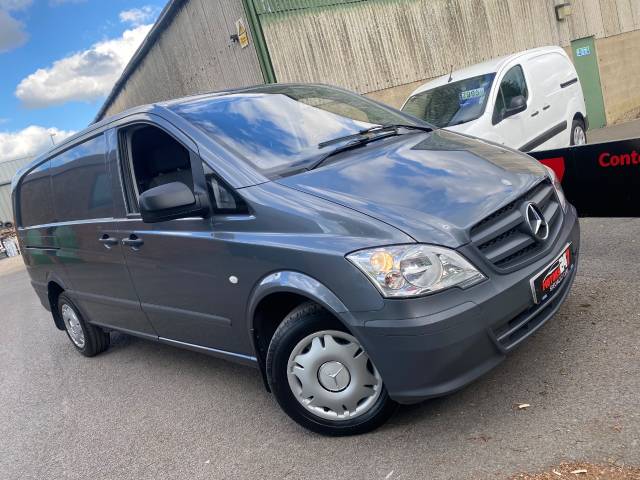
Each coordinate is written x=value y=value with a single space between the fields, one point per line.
x=434 y=345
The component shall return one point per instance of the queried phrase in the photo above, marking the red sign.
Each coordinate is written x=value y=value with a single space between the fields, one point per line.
x=621 y=160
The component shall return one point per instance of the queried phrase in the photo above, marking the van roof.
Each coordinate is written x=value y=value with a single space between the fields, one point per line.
x=489 y=66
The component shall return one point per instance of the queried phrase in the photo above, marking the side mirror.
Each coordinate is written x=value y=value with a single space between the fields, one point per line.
x=168 y=202
x=516 y=105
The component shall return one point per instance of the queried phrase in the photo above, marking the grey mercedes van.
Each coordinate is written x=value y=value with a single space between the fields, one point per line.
x=353 y=254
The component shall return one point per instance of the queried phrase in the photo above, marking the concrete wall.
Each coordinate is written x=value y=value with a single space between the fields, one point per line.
x=395 y=96
x=619 y=62
x=191 y=53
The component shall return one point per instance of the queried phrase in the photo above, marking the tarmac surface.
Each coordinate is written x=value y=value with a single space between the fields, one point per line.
x=147 y=411
x=621 y=131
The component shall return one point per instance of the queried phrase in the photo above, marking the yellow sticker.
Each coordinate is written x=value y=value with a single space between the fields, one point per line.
x=243 y=36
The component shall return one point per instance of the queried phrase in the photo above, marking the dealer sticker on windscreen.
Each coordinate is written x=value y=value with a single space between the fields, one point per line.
x=547 y=281
x=473 y=93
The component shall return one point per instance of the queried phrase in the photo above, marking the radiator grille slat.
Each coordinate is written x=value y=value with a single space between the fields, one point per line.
x=503 y=249
x=498 y=226
x=504 y=237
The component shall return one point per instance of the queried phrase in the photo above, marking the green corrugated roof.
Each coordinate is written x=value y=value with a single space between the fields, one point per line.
x=265 y=7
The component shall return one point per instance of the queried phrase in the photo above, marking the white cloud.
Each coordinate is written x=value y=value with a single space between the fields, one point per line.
x=139 y=16
x=29 y=141
x=12 y=33
x=15 y=4
x=82 y=76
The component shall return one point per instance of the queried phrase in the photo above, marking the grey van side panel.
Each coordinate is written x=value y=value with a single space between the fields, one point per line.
x=182 y=272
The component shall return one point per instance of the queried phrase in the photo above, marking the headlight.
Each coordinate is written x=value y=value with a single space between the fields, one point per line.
x=558 y=188
x=413 y=270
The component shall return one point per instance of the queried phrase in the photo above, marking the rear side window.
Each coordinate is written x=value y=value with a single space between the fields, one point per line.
x=81 y=184
x=35 y=199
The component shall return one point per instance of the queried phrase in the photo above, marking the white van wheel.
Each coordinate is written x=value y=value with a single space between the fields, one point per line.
x=578 y=135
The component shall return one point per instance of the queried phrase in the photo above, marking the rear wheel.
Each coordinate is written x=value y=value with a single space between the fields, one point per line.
x=322 y=377
x=88 y=339
x=578 y=133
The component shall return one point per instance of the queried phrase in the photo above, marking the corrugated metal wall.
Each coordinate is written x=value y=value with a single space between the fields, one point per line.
x=7 y=170
x=193 y=54
x=371 y=45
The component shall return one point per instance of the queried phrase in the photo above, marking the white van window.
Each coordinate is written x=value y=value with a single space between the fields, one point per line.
x=513 y=85
x=452 y=104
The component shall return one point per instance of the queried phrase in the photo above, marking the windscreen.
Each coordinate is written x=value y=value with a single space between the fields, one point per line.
x=277 y=129
x=452 y=104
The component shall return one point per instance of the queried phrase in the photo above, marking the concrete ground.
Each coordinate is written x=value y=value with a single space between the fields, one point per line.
x=621 y=131
x=148 y=411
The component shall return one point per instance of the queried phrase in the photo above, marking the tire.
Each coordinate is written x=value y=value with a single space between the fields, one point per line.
x=356 y=377
x=578 y=133
x=87 y=339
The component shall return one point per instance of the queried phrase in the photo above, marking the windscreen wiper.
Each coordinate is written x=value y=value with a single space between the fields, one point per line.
x=387 y=127
x=362 y=138
x=358 y=141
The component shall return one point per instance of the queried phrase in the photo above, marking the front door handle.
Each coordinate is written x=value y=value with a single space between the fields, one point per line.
x=133 y=241
x=546 y=107
x=108 y=241
x=535 y=113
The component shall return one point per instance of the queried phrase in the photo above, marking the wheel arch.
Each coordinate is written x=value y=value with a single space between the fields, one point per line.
x=582 y=118
x=275 y=296
x=54 y=289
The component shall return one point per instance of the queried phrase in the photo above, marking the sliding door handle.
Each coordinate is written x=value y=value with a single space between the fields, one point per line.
x=133 y=241
x=108 y=241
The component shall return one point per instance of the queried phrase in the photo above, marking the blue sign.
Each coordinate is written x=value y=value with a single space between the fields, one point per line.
x=583 y=51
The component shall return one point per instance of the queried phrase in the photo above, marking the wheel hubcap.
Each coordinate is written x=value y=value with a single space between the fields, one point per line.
x=579 y=137
x=72 y=323
x=332 y=377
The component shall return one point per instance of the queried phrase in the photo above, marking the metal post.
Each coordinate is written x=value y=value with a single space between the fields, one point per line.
x=261 y=45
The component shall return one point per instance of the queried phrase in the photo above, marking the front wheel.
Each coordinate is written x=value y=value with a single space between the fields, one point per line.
x=322 y=377
x=578 y=133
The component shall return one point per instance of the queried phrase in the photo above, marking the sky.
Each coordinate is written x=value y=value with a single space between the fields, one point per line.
x=59 y=60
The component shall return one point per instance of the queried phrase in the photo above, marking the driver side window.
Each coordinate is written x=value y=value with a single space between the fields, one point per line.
x=513 y=84
x=152 y=158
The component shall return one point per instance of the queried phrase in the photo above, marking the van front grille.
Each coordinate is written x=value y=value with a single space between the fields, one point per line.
x=504 y=237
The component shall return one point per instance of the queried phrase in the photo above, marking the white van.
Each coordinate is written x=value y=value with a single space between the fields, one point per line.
x=528 y=101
